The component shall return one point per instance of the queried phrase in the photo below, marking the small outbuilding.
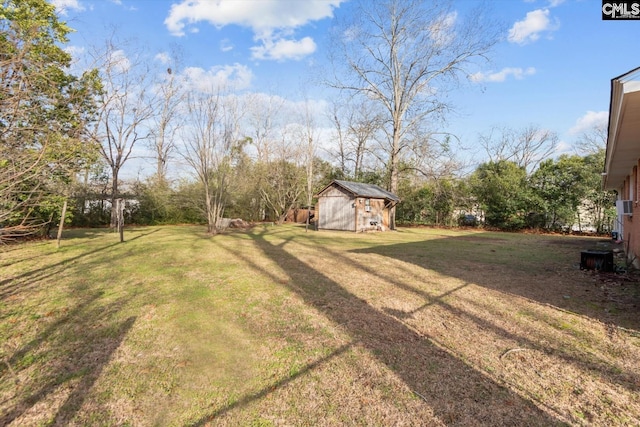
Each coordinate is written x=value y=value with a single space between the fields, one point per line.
x=354 y=206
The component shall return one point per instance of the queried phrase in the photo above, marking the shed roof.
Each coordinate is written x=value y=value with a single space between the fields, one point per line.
x=359 y=189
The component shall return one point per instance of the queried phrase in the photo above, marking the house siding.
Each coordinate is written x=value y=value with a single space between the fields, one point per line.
x=630 y=231
x=622 y=156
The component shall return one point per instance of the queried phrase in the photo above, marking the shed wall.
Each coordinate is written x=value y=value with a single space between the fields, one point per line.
x=336 y=210
x=374 y=218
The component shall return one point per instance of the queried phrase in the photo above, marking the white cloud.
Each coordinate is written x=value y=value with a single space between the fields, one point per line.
x=235 y=77
x=530 y=28
x=502 y=75
x=282 y=49
x=63 y=6
x=119 y=60
x=442 y=29
x=226 y=45
x=563 y=147
x=75 y=51
x=272 y=21
x=591 y=120
x=163 y=57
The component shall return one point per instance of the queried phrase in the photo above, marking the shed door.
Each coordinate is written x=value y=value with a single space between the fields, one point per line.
x=337 y=213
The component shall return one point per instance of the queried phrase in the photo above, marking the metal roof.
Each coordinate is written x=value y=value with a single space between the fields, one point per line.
x=359 y=189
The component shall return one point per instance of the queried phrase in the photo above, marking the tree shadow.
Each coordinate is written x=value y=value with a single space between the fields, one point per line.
x=456 y=392
x=71 y=354
x=47 y=379
x=440 y=255
x=553 y=278
x=266 y=390
x=20 y=282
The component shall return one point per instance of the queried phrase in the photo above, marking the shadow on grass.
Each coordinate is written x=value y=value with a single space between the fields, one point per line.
x=265 y=391
x=428 y=254
x=21 y=282
x=56 y=369
x=456 y=392
x=545 y=271
x=71 y=354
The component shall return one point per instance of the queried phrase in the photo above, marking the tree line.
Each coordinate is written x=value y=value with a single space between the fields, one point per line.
x=219 y=152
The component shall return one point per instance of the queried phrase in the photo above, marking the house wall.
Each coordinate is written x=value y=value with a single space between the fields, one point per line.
x=336 y=210
x=630 y=231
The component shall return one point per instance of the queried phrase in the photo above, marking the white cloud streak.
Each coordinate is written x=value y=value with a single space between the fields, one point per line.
x=590 y=121
x=233 y=77
x=282 y=49
x=531 y=27
x=272 y=22
x=502 y=75
x=163 y=57
x=63 y=6
x=120 y=61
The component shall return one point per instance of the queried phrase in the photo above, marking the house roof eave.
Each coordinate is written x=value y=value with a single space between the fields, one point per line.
x=623 y=133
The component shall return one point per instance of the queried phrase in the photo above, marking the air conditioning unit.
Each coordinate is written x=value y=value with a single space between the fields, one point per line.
x=367 y=208
x=624 y=207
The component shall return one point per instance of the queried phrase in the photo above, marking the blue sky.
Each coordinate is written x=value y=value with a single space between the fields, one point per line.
x=552 y=67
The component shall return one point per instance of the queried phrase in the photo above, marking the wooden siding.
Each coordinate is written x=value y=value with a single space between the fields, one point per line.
x=377 y=216
x=336 y=210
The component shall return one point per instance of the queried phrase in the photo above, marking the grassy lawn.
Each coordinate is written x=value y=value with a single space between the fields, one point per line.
x=278 y=326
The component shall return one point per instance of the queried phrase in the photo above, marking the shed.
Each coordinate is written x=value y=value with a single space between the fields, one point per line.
x=354 y=206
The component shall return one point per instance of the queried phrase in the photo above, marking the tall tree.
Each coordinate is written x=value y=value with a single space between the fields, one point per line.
x=44 y=111
x=404 y=55
x=211 y=140
x=283 y=178
x=356 y=125
x=167 y=119
x=309 y=138
x=527 y=147
x=263 y=117
x=502 y=192
x=125 y=108
x=561 y=185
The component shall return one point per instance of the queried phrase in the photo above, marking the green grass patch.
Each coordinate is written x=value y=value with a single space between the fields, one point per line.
x=278 y=326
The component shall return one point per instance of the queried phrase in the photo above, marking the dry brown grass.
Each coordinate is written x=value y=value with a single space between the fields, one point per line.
x=275 y=326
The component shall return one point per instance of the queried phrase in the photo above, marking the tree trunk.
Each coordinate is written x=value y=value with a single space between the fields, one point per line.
x=114 y=198
x=61 y=225
x=120 y=218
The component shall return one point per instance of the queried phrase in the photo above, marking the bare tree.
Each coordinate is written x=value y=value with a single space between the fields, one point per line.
x=167 y=117
x=526 y=147
x=263 y=120
x=340 y=152
x=126 y=106
x=593 y=140
x=404 y=55
x=357 y=122
x=309 y=137
x=210 y=141
x=364 y=123
x=283 y=178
